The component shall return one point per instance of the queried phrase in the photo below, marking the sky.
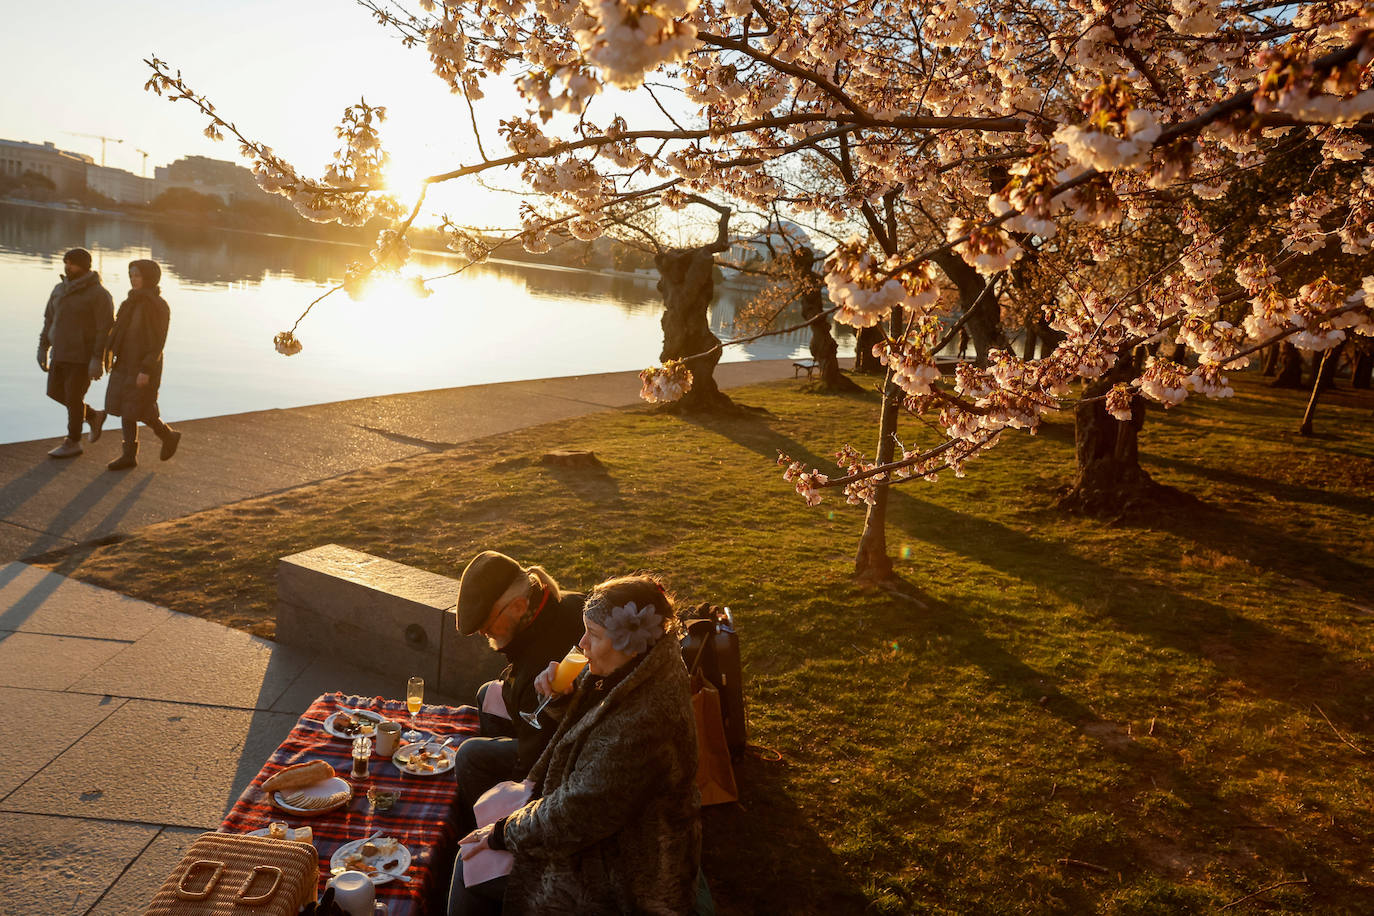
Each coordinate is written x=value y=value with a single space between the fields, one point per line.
x=282 y=71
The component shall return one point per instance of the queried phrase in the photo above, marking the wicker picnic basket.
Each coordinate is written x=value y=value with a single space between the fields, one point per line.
x=227 y=874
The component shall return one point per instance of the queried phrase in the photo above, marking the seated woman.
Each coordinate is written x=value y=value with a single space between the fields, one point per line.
x=613 y=825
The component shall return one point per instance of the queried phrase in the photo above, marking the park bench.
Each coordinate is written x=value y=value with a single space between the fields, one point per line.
x=808 y=364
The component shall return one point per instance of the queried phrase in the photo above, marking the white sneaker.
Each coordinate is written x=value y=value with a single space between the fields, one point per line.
x=68 y=449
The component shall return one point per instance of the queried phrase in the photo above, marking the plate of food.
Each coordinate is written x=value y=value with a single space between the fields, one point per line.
x=278 y=830
x=353 y=723
x=380 y=858
x=307 y=788
x=424 y=759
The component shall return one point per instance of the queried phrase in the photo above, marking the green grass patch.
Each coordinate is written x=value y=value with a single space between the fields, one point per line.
x=1074 y=716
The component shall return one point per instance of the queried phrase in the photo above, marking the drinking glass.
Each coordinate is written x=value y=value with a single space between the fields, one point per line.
x=568 y=670
x=415 y=695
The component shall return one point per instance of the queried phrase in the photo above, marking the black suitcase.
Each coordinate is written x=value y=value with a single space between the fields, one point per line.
x=711 y=645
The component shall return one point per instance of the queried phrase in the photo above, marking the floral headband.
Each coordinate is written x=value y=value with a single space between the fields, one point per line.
x=631 y=628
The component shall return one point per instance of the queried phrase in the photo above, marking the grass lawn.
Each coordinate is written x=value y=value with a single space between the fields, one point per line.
x=1157 y=716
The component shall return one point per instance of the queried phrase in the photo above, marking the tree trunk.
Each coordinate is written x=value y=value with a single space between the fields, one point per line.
x=984 y=322
x=823 y=345
x=1110 y=479
x=687 y=282
x=1289 y=371
x=1317 y=388
x=864 y=360
x=1361 y=372
x=1028 y=345
x=1325 y=371
x=872 y=564
x=1269 y=360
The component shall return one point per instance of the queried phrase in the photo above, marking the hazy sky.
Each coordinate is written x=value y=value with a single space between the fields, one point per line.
x=283 y=70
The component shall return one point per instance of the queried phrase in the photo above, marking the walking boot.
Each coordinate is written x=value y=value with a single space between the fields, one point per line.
x=97 y=420
x=127 y=459
x=69 y=448
x=170 y=441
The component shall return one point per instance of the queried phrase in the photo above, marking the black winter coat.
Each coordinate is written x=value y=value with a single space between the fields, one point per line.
x=547 y=639
x=76 y=322
x=136 y=343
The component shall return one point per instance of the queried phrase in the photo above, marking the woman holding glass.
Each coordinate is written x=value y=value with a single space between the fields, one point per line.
x=613 y=824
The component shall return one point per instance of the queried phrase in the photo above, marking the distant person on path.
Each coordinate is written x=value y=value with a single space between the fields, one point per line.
x=526 y=617
x=140 y=333
x=613 y=824
x=71 y=348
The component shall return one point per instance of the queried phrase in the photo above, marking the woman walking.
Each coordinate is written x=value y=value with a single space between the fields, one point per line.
x=140 y=333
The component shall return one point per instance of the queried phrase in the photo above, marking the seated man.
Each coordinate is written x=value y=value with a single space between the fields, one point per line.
x=526 y=617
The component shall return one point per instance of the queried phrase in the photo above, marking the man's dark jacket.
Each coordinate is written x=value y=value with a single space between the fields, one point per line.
x=546 y=639
x=76 y=323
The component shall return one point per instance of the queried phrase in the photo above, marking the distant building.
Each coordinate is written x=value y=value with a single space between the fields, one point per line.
x=225 y=180
x=66 y=170
x=776 y=239
x=118 y=185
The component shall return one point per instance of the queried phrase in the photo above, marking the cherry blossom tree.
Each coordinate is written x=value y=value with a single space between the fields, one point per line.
x=965 y=138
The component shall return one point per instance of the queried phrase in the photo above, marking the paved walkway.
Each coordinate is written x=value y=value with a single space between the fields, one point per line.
x=47 y=504
x=132 y=728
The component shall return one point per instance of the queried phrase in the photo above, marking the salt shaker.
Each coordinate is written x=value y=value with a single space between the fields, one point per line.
x=362 y=750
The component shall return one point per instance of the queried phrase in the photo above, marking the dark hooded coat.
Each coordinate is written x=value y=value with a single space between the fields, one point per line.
x=614 y=825
x=76 y=322
x=136 y=344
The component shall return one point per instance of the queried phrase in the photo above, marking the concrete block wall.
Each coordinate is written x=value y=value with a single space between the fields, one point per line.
x=381 y=615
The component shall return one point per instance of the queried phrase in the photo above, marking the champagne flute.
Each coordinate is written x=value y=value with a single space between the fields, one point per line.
x=568 y=670
x=415 y=695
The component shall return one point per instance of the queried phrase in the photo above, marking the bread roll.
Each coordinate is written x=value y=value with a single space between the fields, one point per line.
x=300 y=776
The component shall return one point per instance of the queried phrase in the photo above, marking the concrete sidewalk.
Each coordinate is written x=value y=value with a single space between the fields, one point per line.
x=47 y=503
x=133 y=729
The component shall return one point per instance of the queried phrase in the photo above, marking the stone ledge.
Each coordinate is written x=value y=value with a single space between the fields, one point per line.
x=381 y=615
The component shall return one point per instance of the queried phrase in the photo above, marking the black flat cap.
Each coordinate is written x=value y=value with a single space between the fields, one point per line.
x=486 y=579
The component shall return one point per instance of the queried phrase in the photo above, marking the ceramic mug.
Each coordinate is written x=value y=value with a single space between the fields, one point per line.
x=353 y=892
x=388 y=738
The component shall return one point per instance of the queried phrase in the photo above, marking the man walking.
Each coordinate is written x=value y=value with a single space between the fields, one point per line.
x=71 y=349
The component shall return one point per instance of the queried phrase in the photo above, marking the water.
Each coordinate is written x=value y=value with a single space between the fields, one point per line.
x=231 y=292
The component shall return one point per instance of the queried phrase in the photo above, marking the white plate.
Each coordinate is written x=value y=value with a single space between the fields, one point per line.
x=404 y=752
x=366 y=714
x=401 y=854
x=290 y=833
x=319 y=790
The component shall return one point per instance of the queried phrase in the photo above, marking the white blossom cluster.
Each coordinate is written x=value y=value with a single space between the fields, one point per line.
x=665 y=384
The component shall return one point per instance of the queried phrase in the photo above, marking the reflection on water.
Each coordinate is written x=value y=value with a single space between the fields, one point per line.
x=230 y=292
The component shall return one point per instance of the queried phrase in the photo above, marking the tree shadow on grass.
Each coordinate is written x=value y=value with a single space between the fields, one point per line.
x=762 y=855
x=1151 y=765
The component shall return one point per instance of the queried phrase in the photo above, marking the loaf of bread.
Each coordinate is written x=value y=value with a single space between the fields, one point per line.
x=299 y=776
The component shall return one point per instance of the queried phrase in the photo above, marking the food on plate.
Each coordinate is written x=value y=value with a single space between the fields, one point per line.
x=280 y=831
x=309 y=802
x=423 y=760
x=374 y=857
x=369 y=849
x=357 y=723
x=299 y=776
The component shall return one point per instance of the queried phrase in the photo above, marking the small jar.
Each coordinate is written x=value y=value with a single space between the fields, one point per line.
x=362 y=750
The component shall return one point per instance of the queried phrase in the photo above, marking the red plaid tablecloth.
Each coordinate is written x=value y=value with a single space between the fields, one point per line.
x=424 y=817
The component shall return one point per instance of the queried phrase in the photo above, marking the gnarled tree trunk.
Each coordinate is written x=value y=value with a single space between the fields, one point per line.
x=1363 y=369
x=984 y=322
x=864 y=360
x=824 y=349
x=686 y=278
x=1110 y=479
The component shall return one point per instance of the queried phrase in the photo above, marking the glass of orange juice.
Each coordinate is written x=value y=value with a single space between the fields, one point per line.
x=415 y=695
x=563 y=676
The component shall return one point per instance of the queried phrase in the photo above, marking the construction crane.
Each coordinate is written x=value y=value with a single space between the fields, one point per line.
x=144 y=154
x=101 y=137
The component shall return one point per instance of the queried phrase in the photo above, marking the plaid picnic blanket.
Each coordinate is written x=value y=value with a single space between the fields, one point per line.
x=423 y=818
